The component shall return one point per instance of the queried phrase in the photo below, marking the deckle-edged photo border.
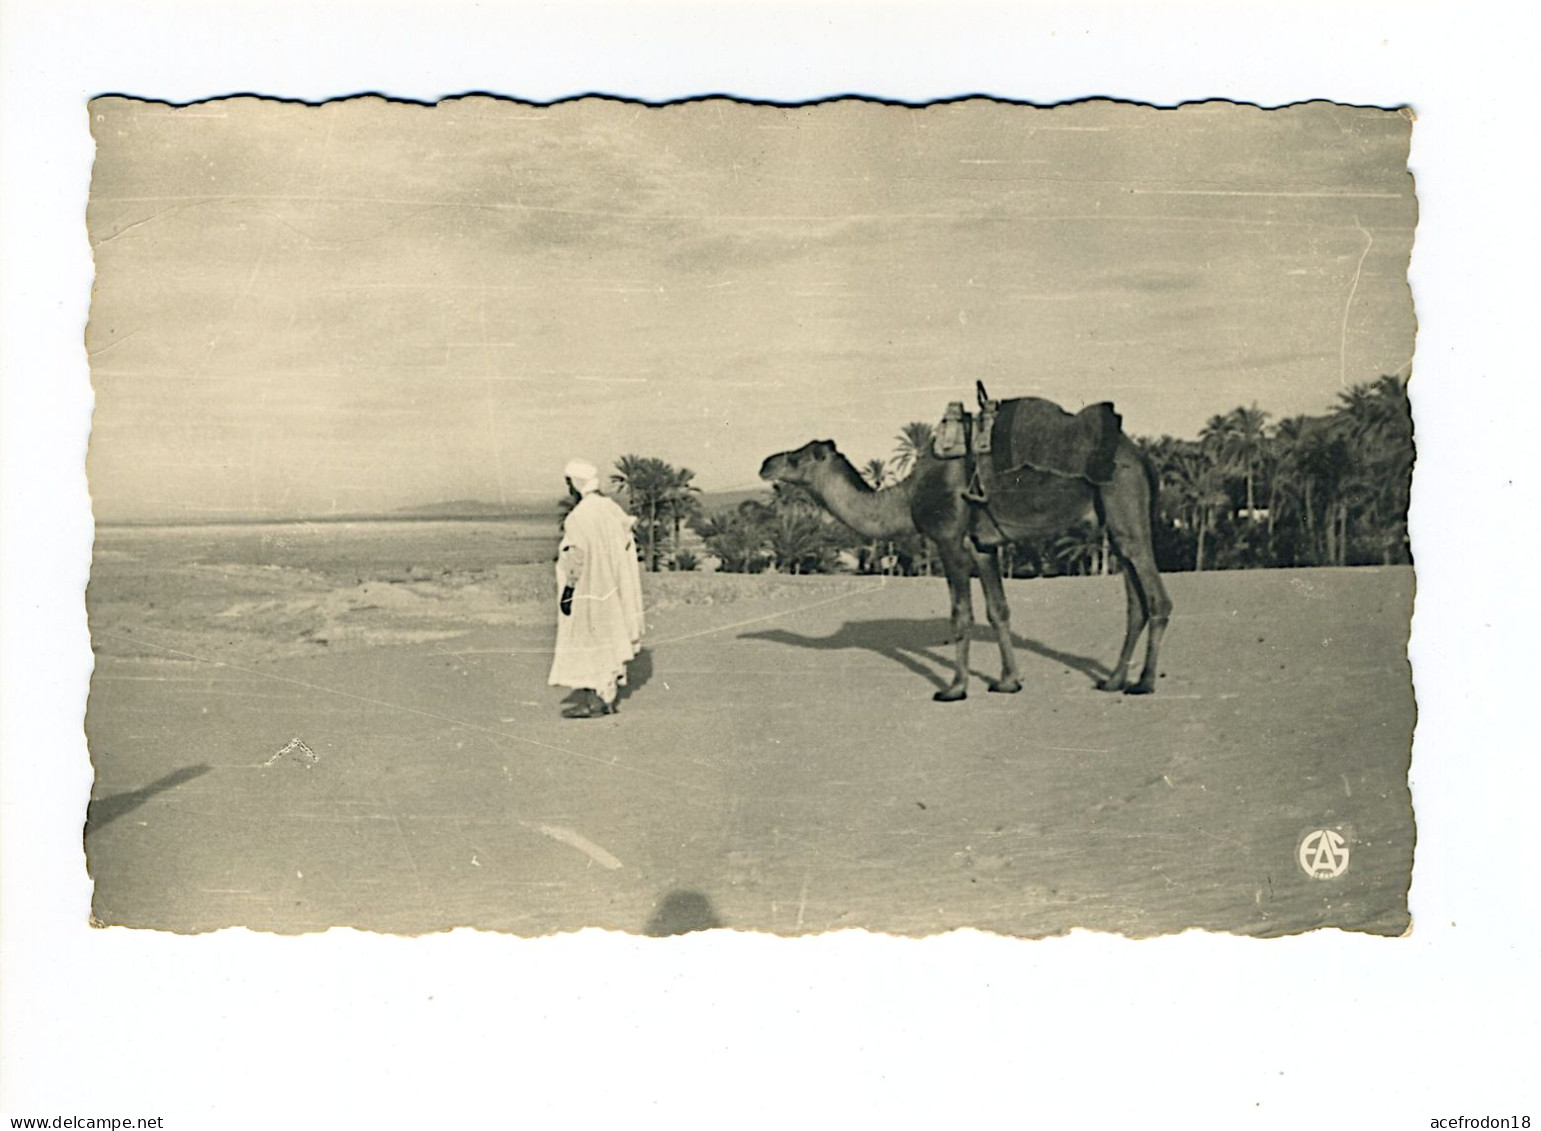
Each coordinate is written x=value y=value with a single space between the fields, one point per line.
x=863 y=1025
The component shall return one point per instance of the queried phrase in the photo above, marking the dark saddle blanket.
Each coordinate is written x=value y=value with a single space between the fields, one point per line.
x=1032 y=432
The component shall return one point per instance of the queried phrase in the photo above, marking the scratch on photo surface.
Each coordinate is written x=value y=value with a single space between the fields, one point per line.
x=426 y=890
x=117 y=341
x=1222 y=839
x=140 y=223
x=769 y=616
x=202 y=681
x=677 y=639
x=1348 y=304
x=577 y=840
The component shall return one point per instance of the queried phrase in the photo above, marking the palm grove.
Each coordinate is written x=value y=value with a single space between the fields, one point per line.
x=1250 y=492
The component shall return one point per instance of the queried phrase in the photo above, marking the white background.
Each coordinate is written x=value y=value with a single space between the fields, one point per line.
x=236 y=1030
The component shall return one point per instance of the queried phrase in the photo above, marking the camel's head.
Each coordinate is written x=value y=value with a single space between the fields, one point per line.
x=801 y=466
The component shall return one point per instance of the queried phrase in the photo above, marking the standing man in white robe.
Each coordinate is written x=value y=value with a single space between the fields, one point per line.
x=600 y=626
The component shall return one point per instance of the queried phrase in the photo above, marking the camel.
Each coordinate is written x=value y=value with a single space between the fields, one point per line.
x=934 y=500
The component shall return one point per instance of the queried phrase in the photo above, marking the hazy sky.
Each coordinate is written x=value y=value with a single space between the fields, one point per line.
x=365 y=305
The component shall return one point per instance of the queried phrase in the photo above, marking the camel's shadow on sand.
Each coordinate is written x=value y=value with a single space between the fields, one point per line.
x=922 y=646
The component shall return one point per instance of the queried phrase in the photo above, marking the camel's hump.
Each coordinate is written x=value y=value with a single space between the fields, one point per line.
x=1034 y=432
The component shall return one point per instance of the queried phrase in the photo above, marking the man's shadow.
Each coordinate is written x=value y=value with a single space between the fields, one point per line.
x=912 y=643
x=638 y=672
x=680 y=913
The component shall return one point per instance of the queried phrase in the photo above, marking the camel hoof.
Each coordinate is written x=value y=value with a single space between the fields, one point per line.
x=1111 y=685
x=1007 y=686
x=1141 y=688
x=951 y=695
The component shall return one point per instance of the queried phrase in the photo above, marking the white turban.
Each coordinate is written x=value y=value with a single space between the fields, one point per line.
x=584 y=475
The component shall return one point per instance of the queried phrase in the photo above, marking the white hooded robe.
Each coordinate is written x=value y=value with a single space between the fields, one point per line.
x=604 y=630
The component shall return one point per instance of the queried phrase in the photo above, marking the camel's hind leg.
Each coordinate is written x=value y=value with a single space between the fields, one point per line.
x=999 y=612
x=1160 y=609
x=1134 y=624
x=1128 y=506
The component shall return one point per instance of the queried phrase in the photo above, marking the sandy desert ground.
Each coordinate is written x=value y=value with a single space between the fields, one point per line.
x=777 y=764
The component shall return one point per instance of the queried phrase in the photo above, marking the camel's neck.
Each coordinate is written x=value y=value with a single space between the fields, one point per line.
x=872 y=514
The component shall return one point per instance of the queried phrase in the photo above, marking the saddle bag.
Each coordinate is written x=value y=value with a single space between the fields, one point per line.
x=951 y=438
x=1028 y=432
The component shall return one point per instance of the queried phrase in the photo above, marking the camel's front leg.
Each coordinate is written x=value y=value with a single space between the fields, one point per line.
x=955 y=563
x=1000 y=618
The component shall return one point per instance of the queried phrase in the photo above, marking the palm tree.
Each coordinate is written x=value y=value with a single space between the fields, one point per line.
x=1080 y=550
x=1290 y=486
x=738 y=537
x=798 y=542
x=1246 y=445
x=1376 y=419
x=1160 y=452
x=1324 y=459
x=1170 y=521
x=1235 y=441
x=789 y=497
x=1216 y=440
x=875 y=472
x=914 y=443
x=1200 y=486
x=649 y=484
x=682 y=501
x=1382 y=412
x=914 y=440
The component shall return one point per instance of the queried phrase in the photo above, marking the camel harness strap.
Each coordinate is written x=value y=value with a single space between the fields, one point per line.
x=969 y=437
x=979 y=466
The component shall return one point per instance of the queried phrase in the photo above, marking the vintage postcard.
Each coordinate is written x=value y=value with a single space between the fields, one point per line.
x=779 y=519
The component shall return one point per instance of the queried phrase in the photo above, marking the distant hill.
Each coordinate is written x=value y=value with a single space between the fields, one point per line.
x=472 y=508
x=465 y=510
x=711 y=502
x=714 y=501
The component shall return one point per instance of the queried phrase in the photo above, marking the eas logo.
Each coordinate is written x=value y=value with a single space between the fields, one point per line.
x=1323 y=854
